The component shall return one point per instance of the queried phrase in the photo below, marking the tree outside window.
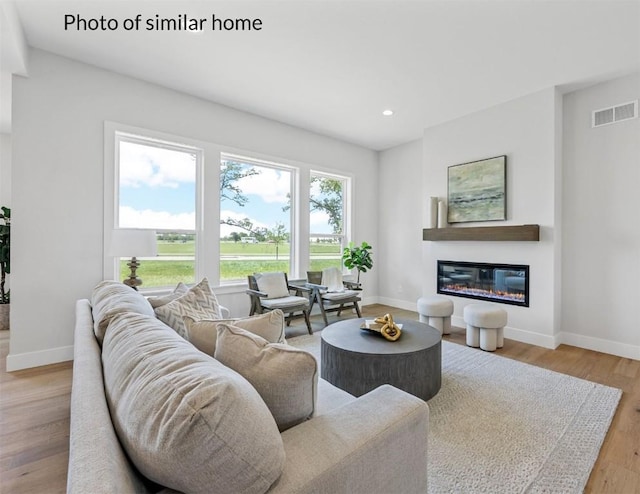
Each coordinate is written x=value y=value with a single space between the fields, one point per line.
x=326 y=219
x=157 y=179
x=254 y=220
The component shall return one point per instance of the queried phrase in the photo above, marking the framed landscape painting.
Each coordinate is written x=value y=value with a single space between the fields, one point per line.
x=477 y=191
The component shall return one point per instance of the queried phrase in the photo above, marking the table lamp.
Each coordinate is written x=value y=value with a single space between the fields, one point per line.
x=133 y=243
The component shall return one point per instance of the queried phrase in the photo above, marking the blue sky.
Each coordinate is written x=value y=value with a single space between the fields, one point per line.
x=157 y=187
x=157 y=190
x=267 y=193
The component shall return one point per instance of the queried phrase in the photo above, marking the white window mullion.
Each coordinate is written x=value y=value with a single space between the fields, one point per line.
x=347 y=230
x=209 y=256
x=302 y=222
x=111 y=165
x=199 y=247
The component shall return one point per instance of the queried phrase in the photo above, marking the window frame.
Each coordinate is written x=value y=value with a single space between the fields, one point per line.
x=346 y=210
x=121 y=137
x=207 y=250
x=114 y=135
x=294 y=238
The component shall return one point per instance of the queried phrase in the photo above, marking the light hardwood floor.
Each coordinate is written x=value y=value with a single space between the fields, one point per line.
x=34 y=426
x=34 y=413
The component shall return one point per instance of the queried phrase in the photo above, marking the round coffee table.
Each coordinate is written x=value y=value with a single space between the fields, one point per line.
x=358 y=361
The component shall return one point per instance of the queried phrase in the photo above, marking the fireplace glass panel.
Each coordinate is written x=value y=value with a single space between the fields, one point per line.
x=503 y=283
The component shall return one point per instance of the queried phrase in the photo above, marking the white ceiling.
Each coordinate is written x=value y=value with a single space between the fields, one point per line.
x=333 y=66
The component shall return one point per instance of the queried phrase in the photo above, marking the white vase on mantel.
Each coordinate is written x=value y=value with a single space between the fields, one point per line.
x=442 y=214
x=433 y=212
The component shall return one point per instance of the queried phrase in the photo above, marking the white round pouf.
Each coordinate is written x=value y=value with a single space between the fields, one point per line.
x=436 y=312
x=485 y=326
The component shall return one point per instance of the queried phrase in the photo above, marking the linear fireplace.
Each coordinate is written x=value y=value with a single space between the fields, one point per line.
x=503 y=283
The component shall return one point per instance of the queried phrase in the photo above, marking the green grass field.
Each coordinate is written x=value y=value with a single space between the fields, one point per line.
x=176 y=248
x=161 y=273
x=239 y=249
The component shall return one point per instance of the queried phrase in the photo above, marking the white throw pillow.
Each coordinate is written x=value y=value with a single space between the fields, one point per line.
x=285 y=377
x=273 y=284
x=199 y=303
x=159 y=301
x=203 y=334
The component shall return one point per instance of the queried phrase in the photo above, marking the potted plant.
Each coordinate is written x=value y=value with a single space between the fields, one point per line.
x=5 y=265
x=358 y=257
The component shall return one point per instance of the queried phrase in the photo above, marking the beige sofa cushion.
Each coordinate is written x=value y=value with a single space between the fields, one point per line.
x=285 y=377
x=204 y=334
x=161 y=300
x=186 y=421
x=199 y=303
x=110 y=298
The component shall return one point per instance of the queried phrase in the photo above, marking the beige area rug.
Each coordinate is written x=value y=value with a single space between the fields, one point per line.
x=501 y=426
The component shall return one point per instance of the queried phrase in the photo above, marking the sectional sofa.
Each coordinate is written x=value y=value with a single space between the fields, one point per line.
x=151 y=412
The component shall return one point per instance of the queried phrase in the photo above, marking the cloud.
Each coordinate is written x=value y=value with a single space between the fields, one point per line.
x=319 y=219
x=147 y=218
x=151 y=166
x=270 y=185
x=314 y=189
x=226 y=230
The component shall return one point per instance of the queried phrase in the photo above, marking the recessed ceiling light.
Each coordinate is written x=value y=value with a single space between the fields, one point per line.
x=387 y=113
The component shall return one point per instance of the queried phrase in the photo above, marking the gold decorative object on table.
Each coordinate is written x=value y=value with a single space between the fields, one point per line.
x=385 y=326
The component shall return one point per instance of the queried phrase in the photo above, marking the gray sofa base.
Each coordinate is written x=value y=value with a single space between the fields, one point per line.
x=373 y=444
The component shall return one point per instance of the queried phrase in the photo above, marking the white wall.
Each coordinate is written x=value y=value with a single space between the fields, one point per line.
x=400 y=204
x=5 y=102
x=13 y=59
x=58 y=119
x=5 y=170
x=5 y=181
x=527 y=130
x=580 y=184
x=601 y=218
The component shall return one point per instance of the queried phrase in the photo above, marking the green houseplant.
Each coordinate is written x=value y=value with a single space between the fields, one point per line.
x=5 y=265
x=358 y=257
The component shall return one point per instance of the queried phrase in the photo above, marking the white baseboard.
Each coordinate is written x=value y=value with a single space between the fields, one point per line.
x=509 y=332
x=28 y=360
x=516 y=334
x=599 y=345
x=530 y=337
x=546 y=341
x=400 y=304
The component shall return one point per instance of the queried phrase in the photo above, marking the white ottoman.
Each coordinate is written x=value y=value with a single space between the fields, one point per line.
x=485 y=326
x=436 y=311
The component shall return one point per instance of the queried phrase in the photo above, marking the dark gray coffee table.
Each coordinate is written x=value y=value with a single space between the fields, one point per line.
x=358 y=361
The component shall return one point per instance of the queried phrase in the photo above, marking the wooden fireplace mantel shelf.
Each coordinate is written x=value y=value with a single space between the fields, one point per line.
x=507 y=233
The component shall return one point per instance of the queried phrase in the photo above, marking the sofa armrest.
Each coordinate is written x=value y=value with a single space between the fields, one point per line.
x=375 y=444
x=224 y=312
x=97 y=462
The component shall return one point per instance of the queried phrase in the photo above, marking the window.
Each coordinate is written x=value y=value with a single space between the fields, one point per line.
x=255 y=217
x=218 y=212
x=327 y=215
x=156 y=189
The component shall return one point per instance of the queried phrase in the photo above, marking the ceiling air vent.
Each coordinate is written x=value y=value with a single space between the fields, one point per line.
x=615 y=114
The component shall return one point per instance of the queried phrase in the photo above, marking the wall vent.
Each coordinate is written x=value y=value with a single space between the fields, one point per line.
x=615 y=114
